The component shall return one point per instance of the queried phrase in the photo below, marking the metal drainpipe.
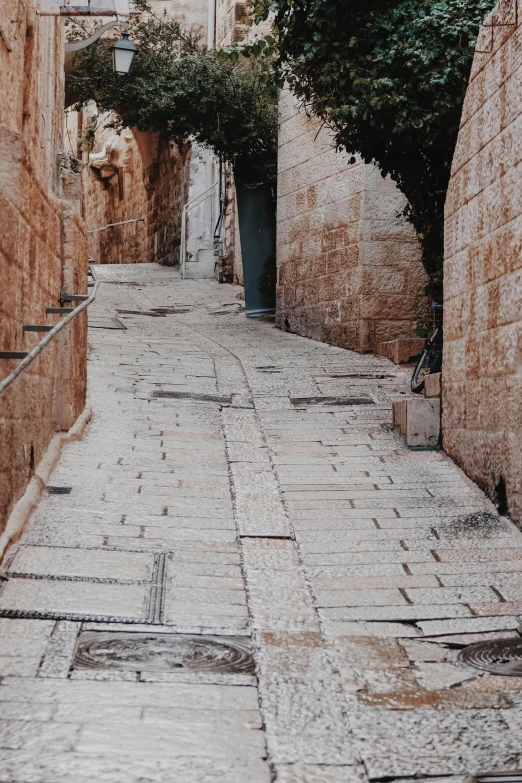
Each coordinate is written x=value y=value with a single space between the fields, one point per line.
x=211 y=26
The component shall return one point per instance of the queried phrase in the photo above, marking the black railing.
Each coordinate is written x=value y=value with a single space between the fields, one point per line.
x=29 y=356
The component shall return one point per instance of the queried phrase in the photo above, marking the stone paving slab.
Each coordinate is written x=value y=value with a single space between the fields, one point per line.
x=460 y=742
x=174 y=739
x=73 y=598
x=319 y=773
x=51 y=561
x=41 y=766
x=251 y=507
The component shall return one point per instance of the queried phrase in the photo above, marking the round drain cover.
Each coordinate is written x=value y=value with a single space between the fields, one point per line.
x=163 y=652
x=503 y=656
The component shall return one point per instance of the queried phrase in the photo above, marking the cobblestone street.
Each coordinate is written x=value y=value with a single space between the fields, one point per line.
x=242 y=488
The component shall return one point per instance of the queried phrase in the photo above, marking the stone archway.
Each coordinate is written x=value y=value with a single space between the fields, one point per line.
x=130 y=176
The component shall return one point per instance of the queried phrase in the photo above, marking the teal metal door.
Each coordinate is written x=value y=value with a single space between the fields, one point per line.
x=257 y=229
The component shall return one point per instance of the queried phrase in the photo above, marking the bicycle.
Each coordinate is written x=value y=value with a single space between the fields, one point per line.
x=430 y=360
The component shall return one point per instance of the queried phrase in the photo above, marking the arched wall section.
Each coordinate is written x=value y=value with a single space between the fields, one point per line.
x=134 y=175
x=129 y=176
x=482 y=368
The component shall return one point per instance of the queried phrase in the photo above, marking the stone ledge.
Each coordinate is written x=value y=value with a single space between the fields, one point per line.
x=402 y=350
x=419 y=421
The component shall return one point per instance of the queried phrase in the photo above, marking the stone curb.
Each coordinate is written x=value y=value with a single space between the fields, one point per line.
x=25 y=506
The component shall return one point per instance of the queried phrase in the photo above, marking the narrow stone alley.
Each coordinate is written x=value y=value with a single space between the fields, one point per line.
x=251 y=578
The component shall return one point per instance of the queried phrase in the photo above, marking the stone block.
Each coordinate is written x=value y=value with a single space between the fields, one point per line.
x=433 y=385
x=398 y=306
x=400 y=411
x=390 y=329
x=423 y=423
x=419 y=420
x=10 y=163
x=401 y=351
x=385 y=280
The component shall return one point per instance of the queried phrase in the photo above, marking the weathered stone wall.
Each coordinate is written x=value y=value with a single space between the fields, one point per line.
x=133 y=175
x=127 y=177
x=42 y=245
x=230 y=22
x=191 y=13
x=231 y=28
x=231 y=230
x=482 y=370
x=349 y=269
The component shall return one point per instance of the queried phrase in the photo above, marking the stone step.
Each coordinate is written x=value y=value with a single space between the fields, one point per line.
x=419 y=421
x=433 y=385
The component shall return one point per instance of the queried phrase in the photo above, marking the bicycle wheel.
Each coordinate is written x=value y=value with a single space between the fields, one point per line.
x=430 y=362
x=422 y=369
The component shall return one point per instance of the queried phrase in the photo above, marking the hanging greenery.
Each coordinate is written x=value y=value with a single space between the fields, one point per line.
x=389 y=78
x=180 y=89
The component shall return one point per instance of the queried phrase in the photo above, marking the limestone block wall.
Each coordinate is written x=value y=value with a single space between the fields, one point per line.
x=230 y=22
x=231 y=229
x=482 y=370
x=191 y=13
x=133 y=175
x=42 y=245
x=349 y=270
x=125 y=177
x=231 y=28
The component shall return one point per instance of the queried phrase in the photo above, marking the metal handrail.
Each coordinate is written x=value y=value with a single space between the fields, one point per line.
x=195 y=202
x=110 y=225
x=205 y=193
x=31 y=356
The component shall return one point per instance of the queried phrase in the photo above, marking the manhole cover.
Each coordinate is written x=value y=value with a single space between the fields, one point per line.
x=163 y=652
x=503 y=656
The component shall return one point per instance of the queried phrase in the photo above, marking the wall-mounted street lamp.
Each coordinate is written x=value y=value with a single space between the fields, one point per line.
x=123 y=53
x=123 y=50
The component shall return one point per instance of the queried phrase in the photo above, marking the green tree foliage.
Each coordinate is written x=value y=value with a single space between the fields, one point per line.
x=180 y=89
x=389 y=77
